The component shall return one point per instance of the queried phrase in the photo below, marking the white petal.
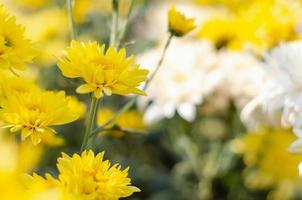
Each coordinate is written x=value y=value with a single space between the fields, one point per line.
x=298 y=132
x=153 y=114
x=300 y=168
x=296 y=146
x=187 y=111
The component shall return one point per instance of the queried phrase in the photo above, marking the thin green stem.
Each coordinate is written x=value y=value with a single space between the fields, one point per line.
x=69 y=6
x=114 y=23
x=132 y=101
x=159 y=62
x=90 y=122
x=126 y=23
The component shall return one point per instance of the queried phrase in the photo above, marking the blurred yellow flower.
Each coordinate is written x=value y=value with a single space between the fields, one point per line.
x=81 y=9
x=109 y=73
x=179 y=25
x=15 y=50
x=222 y=37
x=262 y=152
x=33 y=112
x=34 y=4
x=50 y=38
x=77 y=106
x=129 y=120
x=15 y=159
x=254 y=24
x=12 y=84
x=85 y=176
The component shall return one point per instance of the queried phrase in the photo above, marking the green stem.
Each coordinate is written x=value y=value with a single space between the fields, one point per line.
x=90 y=122
x=69 y=6
x=159 y=62
x=132 y=101
x=114 y=24
x=125 y=27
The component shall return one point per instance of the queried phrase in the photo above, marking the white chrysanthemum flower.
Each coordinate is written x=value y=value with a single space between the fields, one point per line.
x=241 y=76
x=283 y=92
x=181 y=81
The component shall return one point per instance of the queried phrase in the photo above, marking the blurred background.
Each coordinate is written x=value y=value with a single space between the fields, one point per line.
x=196 y=135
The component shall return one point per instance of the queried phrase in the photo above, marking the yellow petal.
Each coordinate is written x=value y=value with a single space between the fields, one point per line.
x=83 y=89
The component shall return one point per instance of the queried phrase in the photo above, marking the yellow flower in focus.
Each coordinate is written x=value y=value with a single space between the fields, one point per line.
x=179 y=25
x=33 y=112
x=88 y=175
x=262 y=152
x=130 y=120
x=15 y=50
x=85 y=176
x=109 y=73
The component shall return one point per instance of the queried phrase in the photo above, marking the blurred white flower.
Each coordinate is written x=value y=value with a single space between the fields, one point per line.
x=241 y=75
x=283 y=92
x=182 y=80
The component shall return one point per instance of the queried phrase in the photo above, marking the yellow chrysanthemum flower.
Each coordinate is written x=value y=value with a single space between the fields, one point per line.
x=179 y=25
x=262 y=151
x=33 y=112
x=130 y=120
x=89 y=175
x=109 y=73
x=86 y=176
x=15 y=50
